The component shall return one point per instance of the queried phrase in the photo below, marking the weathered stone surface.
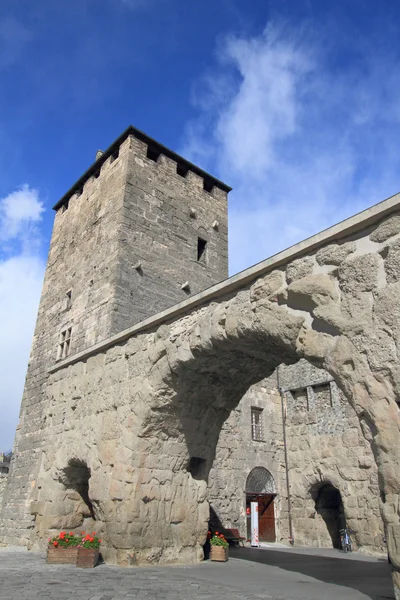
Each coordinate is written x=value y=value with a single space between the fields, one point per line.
x=299 y=268
x=387 y=229
x=266 y=288
x=335 y=254
x=392 y=262
x=312 y=291
x=360 y=274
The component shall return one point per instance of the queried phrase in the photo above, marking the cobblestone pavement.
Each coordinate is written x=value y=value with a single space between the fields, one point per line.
x=25 y=576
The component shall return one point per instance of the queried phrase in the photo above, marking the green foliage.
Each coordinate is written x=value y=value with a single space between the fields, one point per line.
x=218 y=540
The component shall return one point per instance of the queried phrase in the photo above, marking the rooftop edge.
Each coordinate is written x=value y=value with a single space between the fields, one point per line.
x=140 y=135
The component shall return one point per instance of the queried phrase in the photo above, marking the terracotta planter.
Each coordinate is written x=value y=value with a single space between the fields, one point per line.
x=87 y=558
x=61 y=556
x=219 y=553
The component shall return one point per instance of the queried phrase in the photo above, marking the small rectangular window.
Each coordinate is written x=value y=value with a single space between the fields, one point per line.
x=152 y=153
x=201 y=250
x=64 y=346
x=257 y=424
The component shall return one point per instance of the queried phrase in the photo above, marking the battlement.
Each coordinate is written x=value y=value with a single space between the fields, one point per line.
x=150 y=150
x=4 y=463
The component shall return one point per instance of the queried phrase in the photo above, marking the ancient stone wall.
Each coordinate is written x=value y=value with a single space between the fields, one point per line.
x=3 y=482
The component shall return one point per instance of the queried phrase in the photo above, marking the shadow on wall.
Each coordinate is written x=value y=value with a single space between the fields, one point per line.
x=329 y=505
x=76 y=477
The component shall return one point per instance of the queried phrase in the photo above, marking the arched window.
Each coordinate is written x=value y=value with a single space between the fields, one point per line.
x=260 y=481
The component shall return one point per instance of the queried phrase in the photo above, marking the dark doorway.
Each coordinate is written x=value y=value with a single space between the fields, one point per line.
x=329 y=505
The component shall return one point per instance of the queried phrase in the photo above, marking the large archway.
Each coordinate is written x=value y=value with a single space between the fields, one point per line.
x=343 y=319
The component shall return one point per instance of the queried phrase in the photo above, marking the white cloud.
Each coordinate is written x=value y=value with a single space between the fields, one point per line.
x=21 y=275
x=303 y=145
x=18 y=212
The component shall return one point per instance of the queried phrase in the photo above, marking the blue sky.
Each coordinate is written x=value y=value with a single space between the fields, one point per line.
x=295 y=103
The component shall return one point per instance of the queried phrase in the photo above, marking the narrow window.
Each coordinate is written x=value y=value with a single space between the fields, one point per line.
x=68 y=300
x=152 y=153
x=64 y=346
x=201 y=250
x=97 y=174
x=182 y=170
x=114 y=155
x=256 y=424
x=208 y=185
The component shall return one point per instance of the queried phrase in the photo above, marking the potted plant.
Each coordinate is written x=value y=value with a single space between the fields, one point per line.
x=219 y=547
x=63 y=549
x=88 y=550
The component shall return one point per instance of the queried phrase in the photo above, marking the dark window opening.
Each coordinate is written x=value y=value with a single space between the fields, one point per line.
x=152 y=153
x=196 y=467
x=114 y=155
x=76 y=476
x=208 y=185
x=65 y=207
x=97 y=174
x=182 y=170
x=201 y=250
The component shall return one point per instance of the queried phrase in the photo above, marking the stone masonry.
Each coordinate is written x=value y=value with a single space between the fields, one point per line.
x=122 y=434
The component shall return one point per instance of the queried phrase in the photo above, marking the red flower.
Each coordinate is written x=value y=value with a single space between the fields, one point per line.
x=55 y=544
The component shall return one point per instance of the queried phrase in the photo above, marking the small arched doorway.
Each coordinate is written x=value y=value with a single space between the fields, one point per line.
x=329 y=505
x=260 y=488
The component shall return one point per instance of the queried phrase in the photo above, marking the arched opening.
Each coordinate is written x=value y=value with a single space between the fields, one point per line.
x=329 y=505
x=76 y=477
x=260 y=488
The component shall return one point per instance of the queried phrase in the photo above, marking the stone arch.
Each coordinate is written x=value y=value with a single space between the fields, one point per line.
x=260 y=481
x=342 y=318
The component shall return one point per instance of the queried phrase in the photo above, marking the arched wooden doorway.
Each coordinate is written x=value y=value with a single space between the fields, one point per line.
x=260 y=487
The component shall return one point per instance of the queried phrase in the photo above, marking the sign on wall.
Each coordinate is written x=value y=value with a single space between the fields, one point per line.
x=254 y=524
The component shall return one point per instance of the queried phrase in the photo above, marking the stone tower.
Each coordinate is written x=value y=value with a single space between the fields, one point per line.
x=140 y=231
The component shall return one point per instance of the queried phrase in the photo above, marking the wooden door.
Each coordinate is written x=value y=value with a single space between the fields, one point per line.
x=266 y=518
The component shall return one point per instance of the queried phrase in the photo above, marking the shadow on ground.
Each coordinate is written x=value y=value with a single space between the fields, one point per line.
x=370 y=578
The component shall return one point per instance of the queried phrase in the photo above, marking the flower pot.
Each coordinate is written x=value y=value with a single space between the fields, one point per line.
x=87 y=558
x=219 y=553
x=61 y=556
